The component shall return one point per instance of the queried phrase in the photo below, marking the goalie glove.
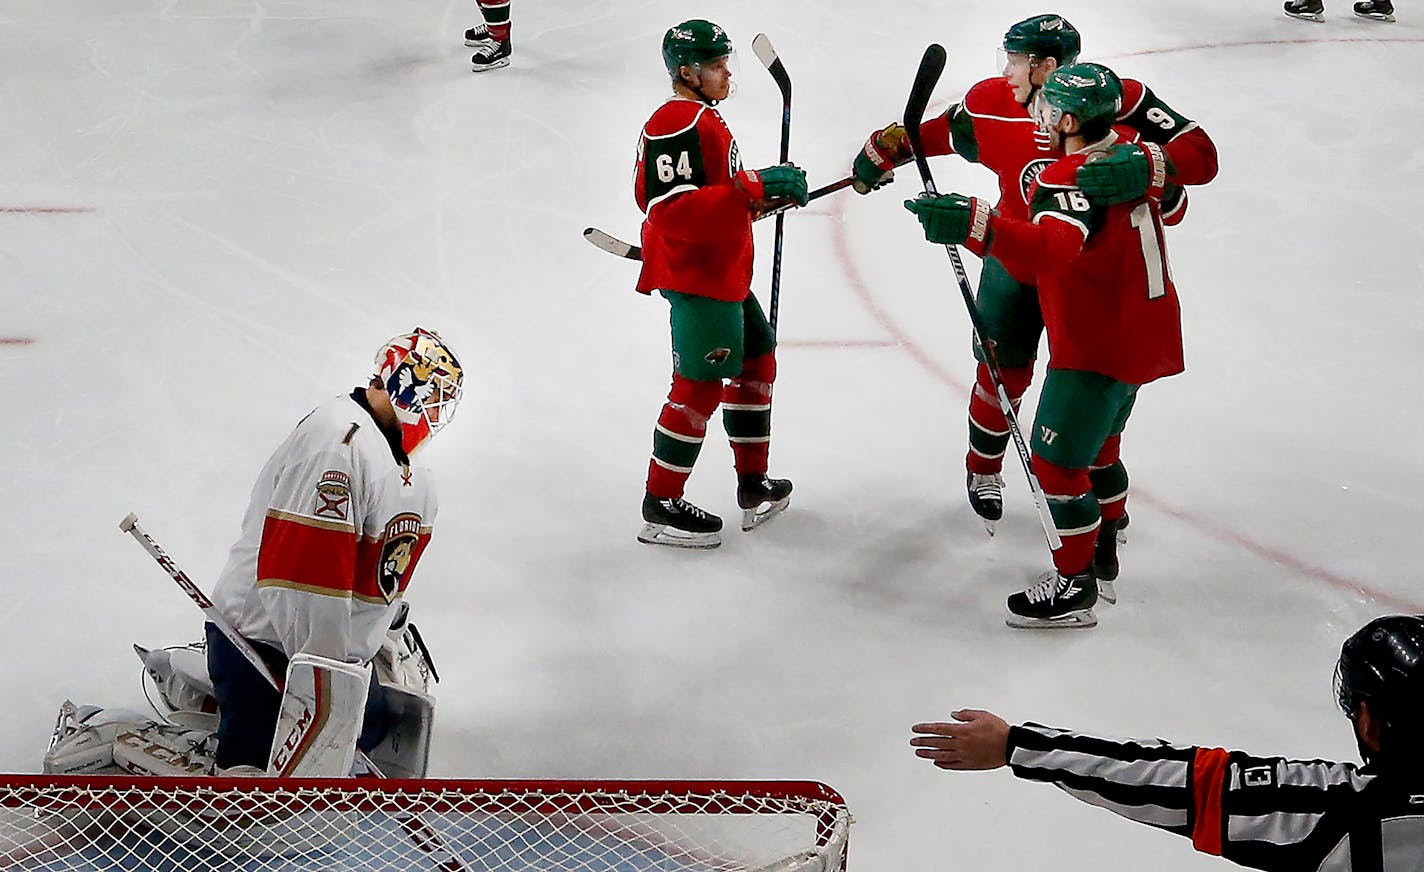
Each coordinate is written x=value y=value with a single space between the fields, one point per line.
x=953 y=219
x=874 y=165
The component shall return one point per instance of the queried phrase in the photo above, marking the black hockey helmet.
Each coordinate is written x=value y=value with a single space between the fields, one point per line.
x=1383 y=663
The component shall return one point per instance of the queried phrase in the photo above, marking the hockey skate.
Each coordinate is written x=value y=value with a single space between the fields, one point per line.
x=476 y=35
x=761 y=498
x=986 y=497
x=676 y=522
x=1055 y=602
x=1105 y=562
x=1376 y=10
x=490 y=53
x=1309 y=10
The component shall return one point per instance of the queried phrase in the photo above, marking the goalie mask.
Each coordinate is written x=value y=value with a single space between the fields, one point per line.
x=424 y=380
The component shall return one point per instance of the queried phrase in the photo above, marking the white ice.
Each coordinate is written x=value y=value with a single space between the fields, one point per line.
x=273 y=188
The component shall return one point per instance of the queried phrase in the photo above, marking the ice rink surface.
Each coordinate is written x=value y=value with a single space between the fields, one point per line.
x=212 y=213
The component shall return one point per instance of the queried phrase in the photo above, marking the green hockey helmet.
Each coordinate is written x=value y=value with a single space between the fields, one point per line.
x=1044 y=36
x=695 y=41
x=1088 y=92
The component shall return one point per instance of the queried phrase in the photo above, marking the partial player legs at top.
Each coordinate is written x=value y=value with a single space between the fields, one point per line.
x=490 y=40
x=1378 y=10
x=1309 y=10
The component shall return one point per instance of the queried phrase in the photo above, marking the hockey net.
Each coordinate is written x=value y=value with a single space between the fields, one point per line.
x=183 y=824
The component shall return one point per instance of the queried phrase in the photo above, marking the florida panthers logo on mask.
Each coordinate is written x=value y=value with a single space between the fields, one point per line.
x=399 y=543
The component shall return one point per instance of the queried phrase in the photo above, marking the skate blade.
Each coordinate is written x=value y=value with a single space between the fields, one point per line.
x=1079 y=620
x=1306 y=16
x=991 y=526
x=481 y=68
x=1107 y=591
x=661 y=534
x=755 y=517
x=1377 y=16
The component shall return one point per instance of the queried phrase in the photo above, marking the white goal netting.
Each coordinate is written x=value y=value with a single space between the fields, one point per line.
x=327 y=825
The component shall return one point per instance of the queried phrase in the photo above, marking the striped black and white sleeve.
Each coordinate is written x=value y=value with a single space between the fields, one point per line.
x=1262 y=812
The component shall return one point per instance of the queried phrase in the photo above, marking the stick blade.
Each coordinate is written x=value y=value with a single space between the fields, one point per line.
x=612 y=244
x=762 y=48
x=926 y=78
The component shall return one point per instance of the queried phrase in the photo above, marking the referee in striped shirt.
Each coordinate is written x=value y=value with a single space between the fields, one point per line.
x=1261 y=812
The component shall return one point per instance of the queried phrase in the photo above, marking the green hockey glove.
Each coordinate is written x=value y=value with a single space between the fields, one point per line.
x=1122 y=174
x=953 y=219
x=781 y=182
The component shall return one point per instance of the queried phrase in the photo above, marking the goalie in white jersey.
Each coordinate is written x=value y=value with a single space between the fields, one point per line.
x=337 y=522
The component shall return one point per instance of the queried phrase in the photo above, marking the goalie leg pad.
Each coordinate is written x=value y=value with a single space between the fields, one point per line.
x=320 y=718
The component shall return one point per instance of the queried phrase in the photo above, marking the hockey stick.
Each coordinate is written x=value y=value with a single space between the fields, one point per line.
x=762 y=47
x=931 y=66
x=130 y=525
x=425 y=838
x=617 y=247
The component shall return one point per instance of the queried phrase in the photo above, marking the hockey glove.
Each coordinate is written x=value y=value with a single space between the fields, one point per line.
x=781 y=182
x=1121 y=174
x=874 y=165
x=953 y=219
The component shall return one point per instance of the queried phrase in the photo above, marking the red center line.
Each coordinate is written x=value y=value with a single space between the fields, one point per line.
x=47 y=210
x=899 y=337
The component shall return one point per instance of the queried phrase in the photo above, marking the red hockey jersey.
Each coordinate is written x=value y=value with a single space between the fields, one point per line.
x=697 y=233
x=1104 y=285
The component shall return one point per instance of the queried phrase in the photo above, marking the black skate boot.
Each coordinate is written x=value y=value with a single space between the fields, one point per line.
x=475 y=35
x=1055 y=602
x=674 y=521
x=1378 y=10
x=490 y=53
x=986 y=497
x=761 y=498
x=1105 y=564
x=1310 y=10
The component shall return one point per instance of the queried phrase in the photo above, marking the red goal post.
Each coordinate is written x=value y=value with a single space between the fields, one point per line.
x=53 y=822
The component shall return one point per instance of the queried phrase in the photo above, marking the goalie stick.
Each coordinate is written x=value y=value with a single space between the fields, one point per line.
x=931 y=67
x=617 y=247
x=425 y=838
x=765 y=53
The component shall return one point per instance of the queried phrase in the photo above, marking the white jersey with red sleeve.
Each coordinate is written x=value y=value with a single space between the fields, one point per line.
x=332 y=534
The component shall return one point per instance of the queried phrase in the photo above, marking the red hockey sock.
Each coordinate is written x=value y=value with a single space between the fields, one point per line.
x=1075 y=513
x=677 y=440
x=496 y=15
x=988 y=430
x=1109 y=478
x=746 y=414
